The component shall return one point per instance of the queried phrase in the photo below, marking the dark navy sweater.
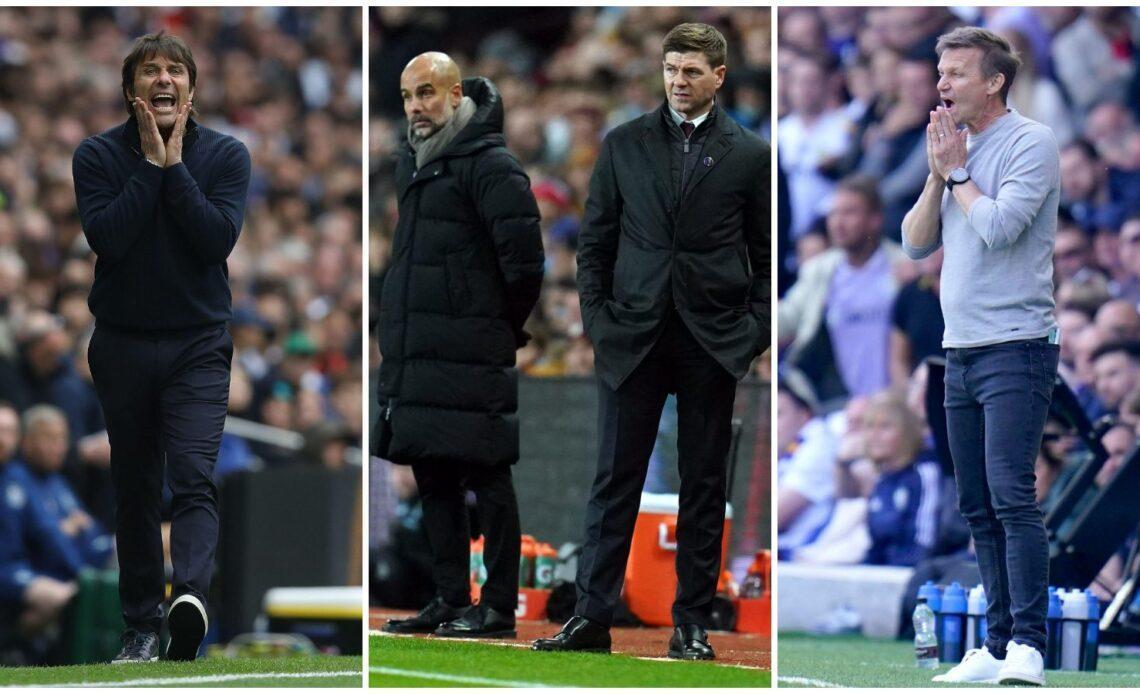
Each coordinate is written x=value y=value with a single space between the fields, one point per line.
x=161 y=236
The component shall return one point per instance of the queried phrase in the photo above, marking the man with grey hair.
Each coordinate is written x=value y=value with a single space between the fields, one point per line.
x=466 y=270
x=991 y=200
x=46 y=537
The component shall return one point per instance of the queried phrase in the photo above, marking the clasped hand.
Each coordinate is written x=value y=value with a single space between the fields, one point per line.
x=945 y=144
x=164 y=154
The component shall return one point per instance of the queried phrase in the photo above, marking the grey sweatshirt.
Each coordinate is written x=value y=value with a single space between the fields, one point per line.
x=997 y=276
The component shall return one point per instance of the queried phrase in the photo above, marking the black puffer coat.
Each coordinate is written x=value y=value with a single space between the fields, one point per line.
x=466 y=271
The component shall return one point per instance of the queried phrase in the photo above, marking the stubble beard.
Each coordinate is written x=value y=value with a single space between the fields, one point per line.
x=417 y=139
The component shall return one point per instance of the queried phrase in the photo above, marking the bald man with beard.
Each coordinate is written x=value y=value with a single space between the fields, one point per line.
x=466 y=271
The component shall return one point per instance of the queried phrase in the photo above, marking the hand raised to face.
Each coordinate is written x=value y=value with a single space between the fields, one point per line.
x=945 y=143
x=174 y=144
x=151 y=140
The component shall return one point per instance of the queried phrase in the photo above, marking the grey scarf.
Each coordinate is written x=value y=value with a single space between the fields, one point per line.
x=432 y=147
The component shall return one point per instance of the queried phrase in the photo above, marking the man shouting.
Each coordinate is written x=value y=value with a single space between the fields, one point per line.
x=466 y=271
x=673 y=270
x=991 y=201
x=161 y=200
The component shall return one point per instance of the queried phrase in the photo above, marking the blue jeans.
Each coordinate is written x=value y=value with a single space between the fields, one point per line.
x=997 y=400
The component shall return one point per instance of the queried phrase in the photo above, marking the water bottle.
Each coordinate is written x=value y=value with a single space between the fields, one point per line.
x=933 y=595
x=1074 y=613
x=1092 y=632
x=953 y=634
x=976 y=617
x=1053 y=631
x=925 y=640
x=753 y=586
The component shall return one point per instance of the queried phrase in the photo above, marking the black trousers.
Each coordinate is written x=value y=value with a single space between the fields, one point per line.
x=164 y=396
x=627 y=428
x=443 y=487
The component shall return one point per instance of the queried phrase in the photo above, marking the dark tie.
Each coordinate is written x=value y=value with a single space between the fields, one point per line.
x=688 y=129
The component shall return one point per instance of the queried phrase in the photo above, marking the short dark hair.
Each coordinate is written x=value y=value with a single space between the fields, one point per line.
x=865 y=187
x=1131 y=348
x=997 y=55
x=148 y=46
x=694 y=36
x=1087 y=148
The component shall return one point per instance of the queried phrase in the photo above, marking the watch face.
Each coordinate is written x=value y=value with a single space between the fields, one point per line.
x=959 y=175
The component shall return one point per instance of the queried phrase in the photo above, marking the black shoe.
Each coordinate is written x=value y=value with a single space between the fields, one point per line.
x=426 y=621
x=480 y=622
x=138 y=647
x=187 y=623
x=690 y=642
x=579 y=634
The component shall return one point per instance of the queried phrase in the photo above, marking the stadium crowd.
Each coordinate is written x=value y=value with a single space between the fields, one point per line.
x=860 y=475
x=288 y=83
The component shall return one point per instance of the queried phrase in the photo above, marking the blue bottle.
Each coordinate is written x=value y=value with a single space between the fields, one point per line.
x=1053 y=631
x=953 y=635
x=933 y=595
x=1092 y=633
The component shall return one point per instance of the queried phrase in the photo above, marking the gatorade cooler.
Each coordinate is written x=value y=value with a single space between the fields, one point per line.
x=651 y=573
x=532 y=604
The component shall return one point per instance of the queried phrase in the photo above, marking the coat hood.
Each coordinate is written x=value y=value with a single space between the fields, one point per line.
x=486 y=126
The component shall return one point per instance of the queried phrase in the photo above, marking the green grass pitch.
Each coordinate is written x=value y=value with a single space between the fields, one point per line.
x=415 y=662
x=852 y=661
x=315 y=671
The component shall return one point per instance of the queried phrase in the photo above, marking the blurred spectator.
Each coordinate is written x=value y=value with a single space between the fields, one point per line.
x=1084 y=187
x=1130 y=259
x=1033 y=94
x=1093 y=55
x=1118 y=320
x=1072 y=251
x=894 y=149
x=902 y=508
x=1117 y=442
x=835 y=320
x=812 y=137
x=1116 y=368
x=916 y=320
x=46 y=537
x=805 y=465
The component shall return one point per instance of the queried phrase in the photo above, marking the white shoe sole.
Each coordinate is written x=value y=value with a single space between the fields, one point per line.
x=1024 y=678
x=187 y=623
x=943 y=678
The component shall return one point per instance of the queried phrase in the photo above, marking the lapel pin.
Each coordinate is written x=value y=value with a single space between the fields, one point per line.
x=708 y=161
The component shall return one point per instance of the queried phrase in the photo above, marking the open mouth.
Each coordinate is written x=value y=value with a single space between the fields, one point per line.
x=948 y=104
x=163 y=103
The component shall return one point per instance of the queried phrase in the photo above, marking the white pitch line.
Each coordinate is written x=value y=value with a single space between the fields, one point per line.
x=459 y=679
x=197 y=679
x=527 y=646
x=809 y=682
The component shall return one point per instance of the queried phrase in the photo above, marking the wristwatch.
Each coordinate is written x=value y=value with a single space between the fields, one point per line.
x=958 y=175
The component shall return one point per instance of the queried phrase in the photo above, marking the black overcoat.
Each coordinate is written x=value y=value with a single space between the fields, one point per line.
x=466 y=270
x=644 y=250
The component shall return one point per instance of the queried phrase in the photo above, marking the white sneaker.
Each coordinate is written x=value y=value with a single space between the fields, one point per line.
x=1023 y=665
x=978 y=665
